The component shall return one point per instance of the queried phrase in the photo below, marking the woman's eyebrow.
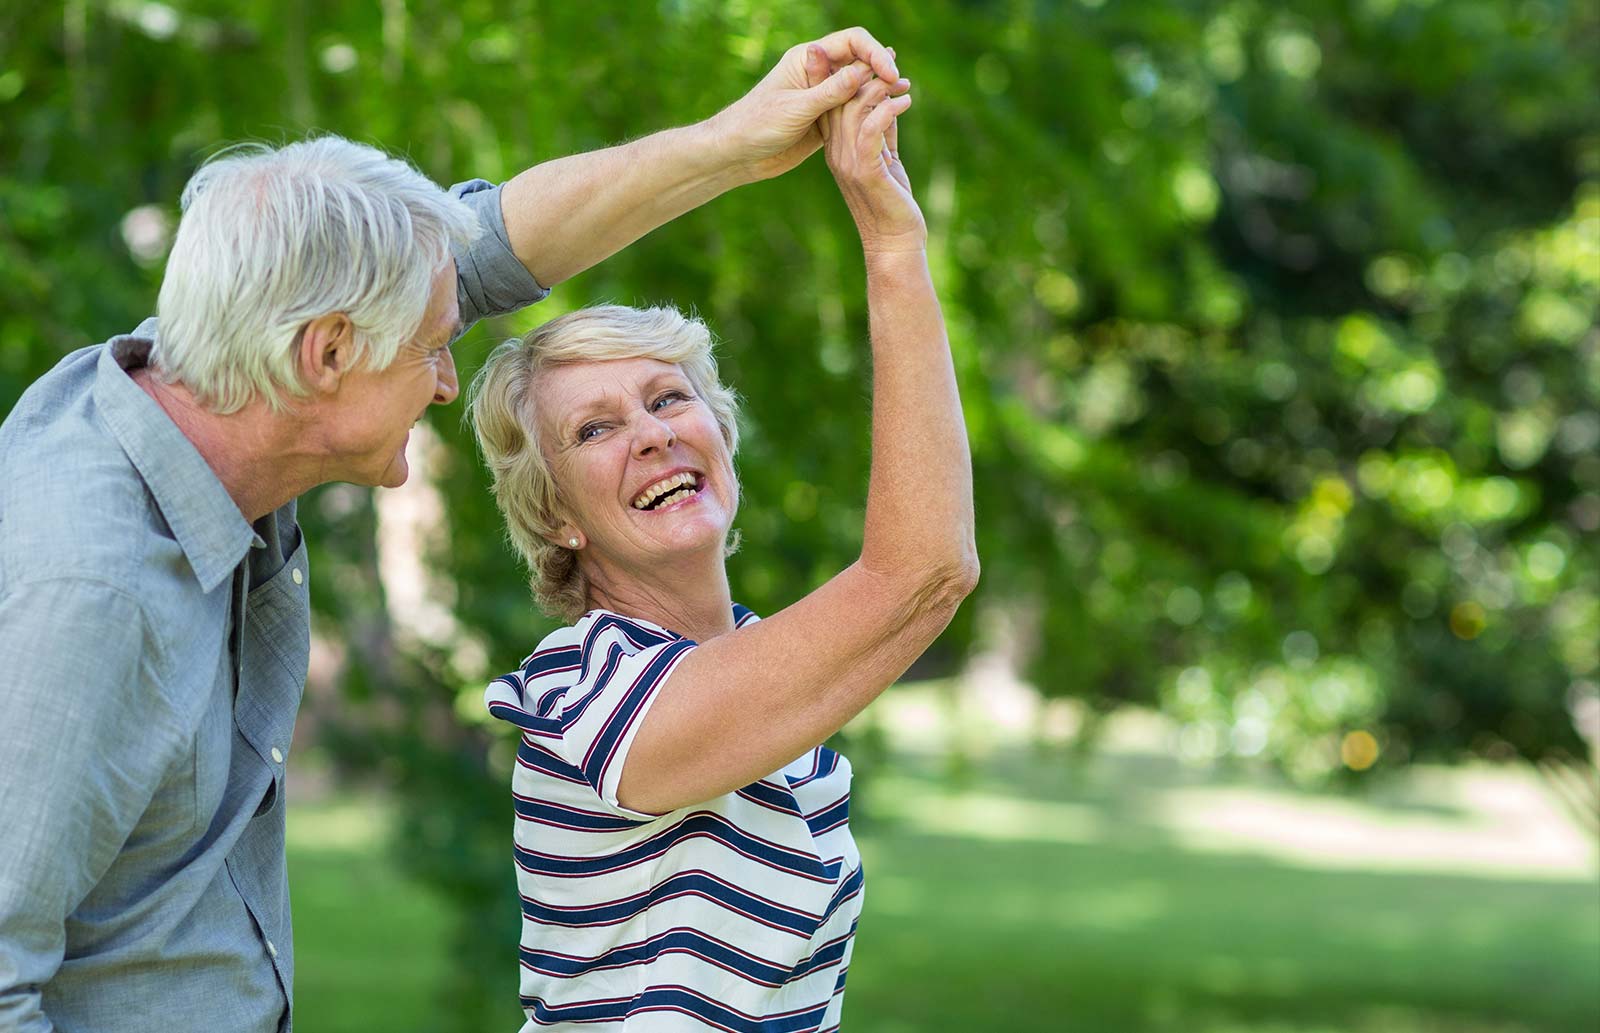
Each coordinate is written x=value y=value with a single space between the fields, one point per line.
x=591 y=408
x=596 y=406
x=671 y=375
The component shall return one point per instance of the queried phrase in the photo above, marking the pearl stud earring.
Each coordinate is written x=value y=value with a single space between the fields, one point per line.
x=572 y=542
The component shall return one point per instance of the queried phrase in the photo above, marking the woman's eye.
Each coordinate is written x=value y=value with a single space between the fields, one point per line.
x=590 y=431
x=668 y=398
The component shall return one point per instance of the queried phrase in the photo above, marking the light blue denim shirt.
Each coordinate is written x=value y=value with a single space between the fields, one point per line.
x=153 y=650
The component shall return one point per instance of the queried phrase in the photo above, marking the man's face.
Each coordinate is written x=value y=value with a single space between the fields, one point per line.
x=375 y=410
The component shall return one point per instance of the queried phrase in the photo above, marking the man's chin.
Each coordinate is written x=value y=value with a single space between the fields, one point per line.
x=396 y=473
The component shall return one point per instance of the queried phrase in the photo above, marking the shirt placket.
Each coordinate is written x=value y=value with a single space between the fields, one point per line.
x=243 y=672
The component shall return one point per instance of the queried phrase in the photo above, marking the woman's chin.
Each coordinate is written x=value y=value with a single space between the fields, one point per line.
x=692 y=532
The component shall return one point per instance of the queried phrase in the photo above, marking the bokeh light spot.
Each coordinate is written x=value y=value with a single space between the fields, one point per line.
x=1468 y=619
x=1359 y=750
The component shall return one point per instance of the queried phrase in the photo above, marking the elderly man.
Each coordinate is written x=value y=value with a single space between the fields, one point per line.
x=153 y=579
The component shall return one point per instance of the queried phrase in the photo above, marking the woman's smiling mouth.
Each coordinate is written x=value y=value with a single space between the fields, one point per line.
x=669 y=491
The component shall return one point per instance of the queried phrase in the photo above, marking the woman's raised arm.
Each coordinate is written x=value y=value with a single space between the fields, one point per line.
x=744 y=704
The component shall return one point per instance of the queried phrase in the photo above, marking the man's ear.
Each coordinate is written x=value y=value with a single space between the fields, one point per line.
x=327 y=344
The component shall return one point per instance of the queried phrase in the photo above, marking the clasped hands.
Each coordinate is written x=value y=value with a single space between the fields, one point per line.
x=844 y=92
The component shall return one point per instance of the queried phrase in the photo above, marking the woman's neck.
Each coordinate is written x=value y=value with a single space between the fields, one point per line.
x=690 y=598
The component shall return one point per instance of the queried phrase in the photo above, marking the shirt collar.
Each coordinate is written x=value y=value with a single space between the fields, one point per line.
x=204 y=519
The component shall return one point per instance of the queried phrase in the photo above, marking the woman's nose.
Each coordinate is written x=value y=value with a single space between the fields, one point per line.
x=651 y=433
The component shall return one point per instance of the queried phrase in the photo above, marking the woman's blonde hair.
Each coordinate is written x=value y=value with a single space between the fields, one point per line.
x=502 y=408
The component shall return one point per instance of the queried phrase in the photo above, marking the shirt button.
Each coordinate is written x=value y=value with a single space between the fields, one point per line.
x=298 y=577
x=277 y=755
x=271 y=949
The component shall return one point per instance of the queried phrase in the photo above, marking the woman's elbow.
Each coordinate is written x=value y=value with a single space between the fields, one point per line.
x=962 y=577
x=927 y=584
x=947 y=584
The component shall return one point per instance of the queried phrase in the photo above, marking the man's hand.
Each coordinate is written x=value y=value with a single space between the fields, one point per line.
x=563 y=216
x=773 y=128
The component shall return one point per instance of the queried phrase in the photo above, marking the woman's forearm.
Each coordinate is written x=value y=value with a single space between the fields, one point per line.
x=919 y=520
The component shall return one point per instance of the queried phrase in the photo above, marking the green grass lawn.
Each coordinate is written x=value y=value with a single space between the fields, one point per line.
x=1030 y=898
x=368 y=952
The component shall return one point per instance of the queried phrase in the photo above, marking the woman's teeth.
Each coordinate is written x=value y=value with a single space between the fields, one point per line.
x=651 y=497
x=677 y=496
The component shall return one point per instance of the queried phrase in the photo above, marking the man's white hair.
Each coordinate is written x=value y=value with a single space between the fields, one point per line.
x=273 y=238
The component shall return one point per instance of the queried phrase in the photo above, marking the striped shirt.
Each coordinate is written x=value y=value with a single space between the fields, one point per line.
x=736 y=914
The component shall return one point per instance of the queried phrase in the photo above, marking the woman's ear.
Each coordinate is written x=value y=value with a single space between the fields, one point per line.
x=327 y=344
x=569 y=537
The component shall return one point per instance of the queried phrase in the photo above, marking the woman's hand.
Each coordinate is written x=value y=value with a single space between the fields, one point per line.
x=861 y=141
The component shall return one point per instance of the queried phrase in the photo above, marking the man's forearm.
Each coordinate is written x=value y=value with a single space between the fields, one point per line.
x=566 y=215
x=563 y=216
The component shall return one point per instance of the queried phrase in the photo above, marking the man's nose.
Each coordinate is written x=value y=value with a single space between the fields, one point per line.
x=446 y=388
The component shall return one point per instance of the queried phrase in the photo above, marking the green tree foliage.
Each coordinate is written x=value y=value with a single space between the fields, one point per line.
x=1275 y=324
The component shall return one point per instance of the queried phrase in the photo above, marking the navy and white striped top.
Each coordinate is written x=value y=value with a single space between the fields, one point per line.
x=737 y=914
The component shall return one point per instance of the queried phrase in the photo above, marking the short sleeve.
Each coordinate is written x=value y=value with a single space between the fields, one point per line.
x=490 y=279
x=581 y=702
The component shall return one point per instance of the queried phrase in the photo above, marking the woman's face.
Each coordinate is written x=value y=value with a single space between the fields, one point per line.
x=639 y=462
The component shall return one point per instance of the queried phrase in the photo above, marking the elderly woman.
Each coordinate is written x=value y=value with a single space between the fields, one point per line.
x=681 y=842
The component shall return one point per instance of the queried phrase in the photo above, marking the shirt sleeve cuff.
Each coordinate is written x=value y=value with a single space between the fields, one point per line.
x=611 y=773
x=490 y=279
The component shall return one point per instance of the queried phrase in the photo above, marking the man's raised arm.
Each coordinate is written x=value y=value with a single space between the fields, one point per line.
x=565 y=215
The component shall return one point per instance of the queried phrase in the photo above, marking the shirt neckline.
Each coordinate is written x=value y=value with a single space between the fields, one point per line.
x=741 y=614
x=204 y=519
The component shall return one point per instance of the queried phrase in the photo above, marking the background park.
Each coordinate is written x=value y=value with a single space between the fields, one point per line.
x=1277 y=708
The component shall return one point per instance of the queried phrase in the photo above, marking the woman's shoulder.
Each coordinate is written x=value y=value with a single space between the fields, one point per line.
x=594 y=626
x=604 y=628
x=599 y=632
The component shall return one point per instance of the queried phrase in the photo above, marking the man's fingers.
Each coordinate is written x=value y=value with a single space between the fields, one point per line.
x=839 y=87
x=816 y=65
x=857 y=44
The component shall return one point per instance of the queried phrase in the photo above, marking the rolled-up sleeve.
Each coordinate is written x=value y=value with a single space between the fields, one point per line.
x=490 y=279
x=81 y=755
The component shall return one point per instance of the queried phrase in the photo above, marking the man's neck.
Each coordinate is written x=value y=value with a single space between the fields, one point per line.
x=251 y=451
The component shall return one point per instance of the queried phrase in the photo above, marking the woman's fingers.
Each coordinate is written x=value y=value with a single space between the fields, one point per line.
x=867 y=100
x=846 y=82
x=862 y=134
x=891 y=136
x=871 y=136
